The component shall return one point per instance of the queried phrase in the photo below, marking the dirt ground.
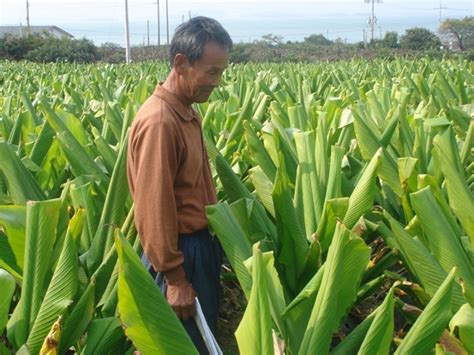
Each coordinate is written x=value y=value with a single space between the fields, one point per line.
x=231 y=310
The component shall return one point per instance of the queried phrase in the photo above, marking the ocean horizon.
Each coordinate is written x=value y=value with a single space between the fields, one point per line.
x=350 y=30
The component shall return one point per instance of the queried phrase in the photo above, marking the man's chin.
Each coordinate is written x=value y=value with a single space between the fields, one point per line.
x=202 y=98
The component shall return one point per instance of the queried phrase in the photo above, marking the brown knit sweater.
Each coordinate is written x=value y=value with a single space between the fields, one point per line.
x=169 y=177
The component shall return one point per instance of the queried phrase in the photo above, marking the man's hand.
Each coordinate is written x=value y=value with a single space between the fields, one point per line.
x=181 y=298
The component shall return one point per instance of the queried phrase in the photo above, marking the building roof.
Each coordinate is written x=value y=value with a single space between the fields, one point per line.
x=20 y=30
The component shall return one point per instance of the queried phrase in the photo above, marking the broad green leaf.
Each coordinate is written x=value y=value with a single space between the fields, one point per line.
x=427 y=329
x=13 y=220
x=293 y=244
x=41 y=222
x=103 y=335
x=254 y=334
x=461 y=199
x=113 y=212
x=147 y=317
x=20 y=182
x=234 y=188
x=347 y=259
x=334 y=211
x=78 y=320
x=263 y=187
x=351 y=343
x=61 y=289
x=380 y=333
x=42 y=144
x=361 y=200
x=81 y=163
x=258 y=153
x=463 y=323
x=421 y=262
x=308 y=189
x=232 y=237
x=7 y=285
x=296 y=315
x=445 y=245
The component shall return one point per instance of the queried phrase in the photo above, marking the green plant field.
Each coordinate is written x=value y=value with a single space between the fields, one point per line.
x=346 y=208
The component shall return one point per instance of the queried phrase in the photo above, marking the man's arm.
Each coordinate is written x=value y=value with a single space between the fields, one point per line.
x=156 y=155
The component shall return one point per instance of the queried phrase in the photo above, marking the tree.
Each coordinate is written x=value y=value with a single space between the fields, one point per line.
x=419 y=38
x=318 y=40
x=272 y=39
x=459 y=30
x=390 y=40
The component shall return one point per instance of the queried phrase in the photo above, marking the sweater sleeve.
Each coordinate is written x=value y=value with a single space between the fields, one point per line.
x=155 y=153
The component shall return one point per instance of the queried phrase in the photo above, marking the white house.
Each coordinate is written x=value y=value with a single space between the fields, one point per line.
x=19 y=31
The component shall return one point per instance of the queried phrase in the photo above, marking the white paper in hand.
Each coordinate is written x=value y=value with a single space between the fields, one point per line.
x=206 y=332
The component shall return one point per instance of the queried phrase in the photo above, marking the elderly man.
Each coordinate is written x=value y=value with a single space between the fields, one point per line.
x=170 y=179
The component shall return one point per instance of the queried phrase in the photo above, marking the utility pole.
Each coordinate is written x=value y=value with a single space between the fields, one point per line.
x=158 y=18
x=441 y=8
x=372 y=18
x=127 y=35
x=182 y=18
x=167 y=25
x=380 y=28
x=148 y=32
x=189 y=14
x=28 y=15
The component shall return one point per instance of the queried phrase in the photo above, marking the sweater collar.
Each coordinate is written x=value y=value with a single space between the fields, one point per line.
x=175 y=103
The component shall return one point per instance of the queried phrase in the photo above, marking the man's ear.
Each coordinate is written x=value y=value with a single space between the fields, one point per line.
x=180 y=63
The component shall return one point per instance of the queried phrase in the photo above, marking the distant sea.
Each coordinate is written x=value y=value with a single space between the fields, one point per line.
x=346 y=28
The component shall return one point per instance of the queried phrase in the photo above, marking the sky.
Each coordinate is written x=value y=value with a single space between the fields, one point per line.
x=104 y=20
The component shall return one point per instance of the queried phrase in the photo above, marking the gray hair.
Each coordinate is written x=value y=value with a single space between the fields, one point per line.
x=191 y=37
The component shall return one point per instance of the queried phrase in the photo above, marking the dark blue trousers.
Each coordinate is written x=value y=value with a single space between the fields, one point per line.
x=202 y=265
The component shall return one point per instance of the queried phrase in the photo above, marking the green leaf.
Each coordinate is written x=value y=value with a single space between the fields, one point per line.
x=430 y=324
x=296 y=315
x=81 y=163
x=362 y=198
x=13 y=220
x=145 y=313
x=308 y=189
x=254 y=334
x=20 y=182
x=41 y=222
x=463 y=323
x=293 y=244
x=113 y=211
x=445 y=245
x=102 y=336
x=7 y=285
x=258 y=153
x=264 y=187
x=61 y=289
x=461 y=199
x=78 y=321
x=351 y=343
x=347 y=259
x=232 y=237
x=421 y=263
x=42 y=144
x=380 y=333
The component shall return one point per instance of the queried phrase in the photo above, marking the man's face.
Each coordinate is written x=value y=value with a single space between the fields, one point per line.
x=200 y=78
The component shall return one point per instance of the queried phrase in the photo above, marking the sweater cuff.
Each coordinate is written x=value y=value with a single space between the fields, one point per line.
x=175 y=276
